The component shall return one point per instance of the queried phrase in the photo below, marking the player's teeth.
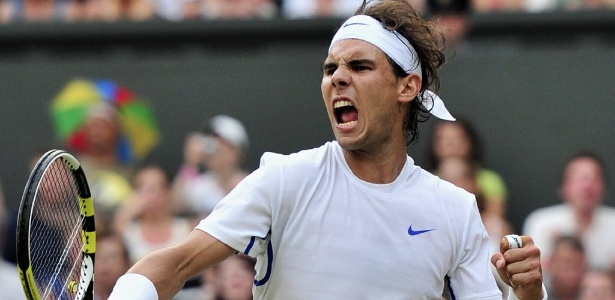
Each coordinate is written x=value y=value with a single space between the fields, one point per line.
x=342 y=103
x=348 y=124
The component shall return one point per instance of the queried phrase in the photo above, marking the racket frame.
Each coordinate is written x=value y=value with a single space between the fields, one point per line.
x=84 y=289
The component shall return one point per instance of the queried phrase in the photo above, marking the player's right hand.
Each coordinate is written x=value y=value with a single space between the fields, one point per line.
x=520 y=267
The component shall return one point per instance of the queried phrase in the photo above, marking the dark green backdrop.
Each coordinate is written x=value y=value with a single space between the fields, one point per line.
x=538 y=88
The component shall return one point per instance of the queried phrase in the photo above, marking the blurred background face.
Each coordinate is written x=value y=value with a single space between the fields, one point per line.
x=152 y=187
x=458 y=172
x=101 y=133
x=567 y=269
x=583 y=184
x=454 y=26
x=111 y=263
x=194 y=149
x=38 y=10
x=450 y=140
x=597 y=286
x=236 y=279
x=222 y=155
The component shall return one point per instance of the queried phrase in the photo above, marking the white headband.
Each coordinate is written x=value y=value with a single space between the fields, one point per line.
x=397 y=47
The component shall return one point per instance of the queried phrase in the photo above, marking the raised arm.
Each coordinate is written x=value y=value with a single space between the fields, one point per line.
x=167 y=270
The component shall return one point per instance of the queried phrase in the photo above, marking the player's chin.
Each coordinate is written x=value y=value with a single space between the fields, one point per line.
x=348 y=143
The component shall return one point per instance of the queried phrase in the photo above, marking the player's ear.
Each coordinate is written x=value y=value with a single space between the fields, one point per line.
x=409 y=87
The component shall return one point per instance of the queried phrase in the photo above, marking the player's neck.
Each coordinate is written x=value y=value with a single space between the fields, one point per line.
x=382 y=167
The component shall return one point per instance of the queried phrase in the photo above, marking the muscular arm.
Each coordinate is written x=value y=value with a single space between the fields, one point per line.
x=168 y=269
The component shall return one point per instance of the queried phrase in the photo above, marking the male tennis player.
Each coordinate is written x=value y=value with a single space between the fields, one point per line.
x=354 y=218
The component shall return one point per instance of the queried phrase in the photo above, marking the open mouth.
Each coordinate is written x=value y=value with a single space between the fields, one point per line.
x=345 y=113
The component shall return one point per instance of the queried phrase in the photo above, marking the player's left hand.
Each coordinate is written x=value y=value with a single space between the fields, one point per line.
x=520 y=268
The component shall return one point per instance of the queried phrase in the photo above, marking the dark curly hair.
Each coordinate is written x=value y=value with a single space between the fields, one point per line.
x=427 y=40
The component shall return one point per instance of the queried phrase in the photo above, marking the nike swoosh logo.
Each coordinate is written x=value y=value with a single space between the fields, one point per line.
x=417 y=232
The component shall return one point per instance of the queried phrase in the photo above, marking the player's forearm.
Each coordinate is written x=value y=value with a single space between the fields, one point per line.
x=162 y=268
x=161 y=274
x=154 y=277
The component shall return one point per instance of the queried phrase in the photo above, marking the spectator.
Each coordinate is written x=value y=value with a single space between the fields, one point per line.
x=175 y=10
x=486 y=6
x=10 y=285
x=581 y=214
x=546 y=5
x=84 y=10
x=146 y=221
x=235 y=278
x=459 y=139
x=107 y=176
x=5 y=11
x=535 y=6
x=220 y=151
x=598 y=285
x=112 y=261
x=109 y=10
x=238 y=9
x=303 y=9
x=102 y=132
x=191 y=169
x=37 y=10
x=137 y=10
x=232 y=279
x=566 y=269
x=452 y=17
x=419 y=5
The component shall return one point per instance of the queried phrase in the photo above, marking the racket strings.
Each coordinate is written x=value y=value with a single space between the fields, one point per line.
x=55 y=240
x=65 y=254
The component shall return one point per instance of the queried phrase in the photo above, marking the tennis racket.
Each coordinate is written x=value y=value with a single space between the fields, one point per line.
x=56 y=238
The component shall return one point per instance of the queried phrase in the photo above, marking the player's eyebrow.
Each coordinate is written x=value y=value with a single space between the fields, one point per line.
x=351 y=63
x=328 y=65
x=361 y=62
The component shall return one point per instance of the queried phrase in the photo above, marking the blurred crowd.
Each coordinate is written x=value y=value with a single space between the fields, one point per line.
x=141 y=206
x=577 y=261
x=177 y=10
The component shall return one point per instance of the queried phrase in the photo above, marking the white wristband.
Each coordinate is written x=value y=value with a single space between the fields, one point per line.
x=512 y=296
x=135 y=287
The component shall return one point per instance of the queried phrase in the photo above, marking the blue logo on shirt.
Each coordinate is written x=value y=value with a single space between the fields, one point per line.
x=417 y=232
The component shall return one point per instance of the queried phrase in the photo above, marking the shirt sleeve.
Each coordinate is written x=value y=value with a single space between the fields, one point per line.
x=243 y=218
x=471 y=276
